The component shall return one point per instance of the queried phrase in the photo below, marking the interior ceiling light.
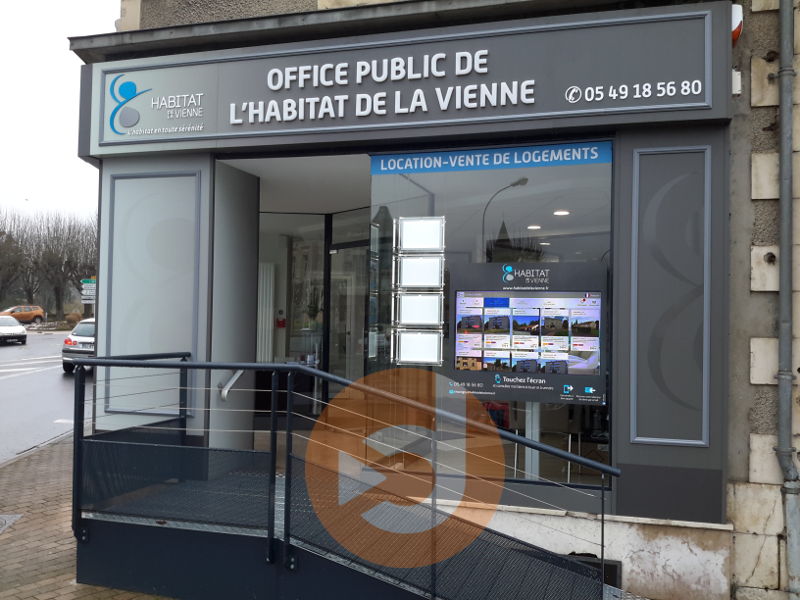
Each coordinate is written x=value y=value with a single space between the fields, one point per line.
x=561 y=212
x=534 y=227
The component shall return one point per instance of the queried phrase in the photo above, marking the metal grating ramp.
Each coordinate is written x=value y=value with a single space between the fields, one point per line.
x=227 y=492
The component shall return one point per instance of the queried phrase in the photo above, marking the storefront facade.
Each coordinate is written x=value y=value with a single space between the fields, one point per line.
x=535 y=208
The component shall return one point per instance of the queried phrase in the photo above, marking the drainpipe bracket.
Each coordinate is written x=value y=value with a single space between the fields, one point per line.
x=791 y=487
x=782 y=72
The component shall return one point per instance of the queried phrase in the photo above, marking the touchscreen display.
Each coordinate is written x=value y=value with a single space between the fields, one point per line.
x=528 y=332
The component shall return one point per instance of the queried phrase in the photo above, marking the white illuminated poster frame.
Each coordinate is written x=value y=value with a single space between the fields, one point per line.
x=420 y=234
x=419 y=309
x=418 y=347
x=420 y=271
x=418 y=298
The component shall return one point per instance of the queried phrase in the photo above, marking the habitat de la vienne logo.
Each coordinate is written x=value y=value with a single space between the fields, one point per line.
x=165 y=114
x=123 y=114
x=526 y=275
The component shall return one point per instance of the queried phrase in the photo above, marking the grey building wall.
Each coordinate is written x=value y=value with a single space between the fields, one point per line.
x=154 y=220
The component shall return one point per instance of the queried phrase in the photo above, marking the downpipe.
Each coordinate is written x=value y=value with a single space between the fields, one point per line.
x=785 y=452
x=791 y=506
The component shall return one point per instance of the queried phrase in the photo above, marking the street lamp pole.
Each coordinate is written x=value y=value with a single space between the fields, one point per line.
x=519 y=182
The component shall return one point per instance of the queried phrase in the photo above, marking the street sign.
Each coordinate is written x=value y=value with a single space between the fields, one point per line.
x=88 y=290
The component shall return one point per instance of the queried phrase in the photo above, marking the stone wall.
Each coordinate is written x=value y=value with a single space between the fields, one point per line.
x=754 y=498
x=149 y=14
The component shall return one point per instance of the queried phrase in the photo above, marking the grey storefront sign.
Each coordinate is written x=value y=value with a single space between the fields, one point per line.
x=628 y=66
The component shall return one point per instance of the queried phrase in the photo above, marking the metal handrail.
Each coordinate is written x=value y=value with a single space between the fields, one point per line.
x=155 y=361
x=225 y=389
x=181 y=355
x=137 y=362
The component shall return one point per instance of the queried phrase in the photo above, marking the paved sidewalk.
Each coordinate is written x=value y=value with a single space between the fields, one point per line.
x=37 y=551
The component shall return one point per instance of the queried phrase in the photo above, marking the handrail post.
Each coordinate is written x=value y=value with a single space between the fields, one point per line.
x=434 y=481
x=273 y=466
x=183 y=384
x=78 y=530
x=289 y=559
x=602 y=533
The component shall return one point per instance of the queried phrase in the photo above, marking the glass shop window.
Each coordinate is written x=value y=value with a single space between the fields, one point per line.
x=542 y=214
x=292 y=273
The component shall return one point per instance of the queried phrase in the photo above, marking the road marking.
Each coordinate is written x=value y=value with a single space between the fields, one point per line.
x=24 y=363
x=26 y=366
x=64 y=421
x=29 y=372
x=31 y=360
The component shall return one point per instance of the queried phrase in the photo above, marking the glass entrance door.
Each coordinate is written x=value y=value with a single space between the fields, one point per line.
x=348 y=289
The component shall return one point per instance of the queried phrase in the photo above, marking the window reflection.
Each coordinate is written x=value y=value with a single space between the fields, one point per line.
x=533 y=214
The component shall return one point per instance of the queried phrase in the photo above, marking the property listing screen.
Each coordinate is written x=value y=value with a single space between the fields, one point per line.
x=528 y=332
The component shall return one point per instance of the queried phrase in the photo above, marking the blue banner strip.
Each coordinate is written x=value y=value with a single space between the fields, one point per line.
x=558 y=155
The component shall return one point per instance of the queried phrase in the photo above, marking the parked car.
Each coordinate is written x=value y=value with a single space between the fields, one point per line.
x=79 y=343
x=11 y=330
x=25 y=314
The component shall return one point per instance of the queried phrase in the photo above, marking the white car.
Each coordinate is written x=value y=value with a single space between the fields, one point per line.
x=79 y=343
x=12 y=331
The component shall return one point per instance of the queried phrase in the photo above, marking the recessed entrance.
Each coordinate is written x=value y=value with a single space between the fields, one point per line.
x=327 y=226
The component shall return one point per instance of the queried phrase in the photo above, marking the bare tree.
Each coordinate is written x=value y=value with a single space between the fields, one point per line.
x=11 y=254
x=46 y=255
x=30 y=241
x=82 y=254
x=58 y=233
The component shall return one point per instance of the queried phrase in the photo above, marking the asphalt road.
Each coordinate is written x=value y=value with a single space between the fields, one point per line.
x=35 y=394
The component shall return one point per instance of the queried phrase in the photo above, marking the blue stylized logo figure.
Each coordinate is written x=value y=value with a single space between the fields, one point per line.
x=498 y=379
x=508 y=273
x=122 y=94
